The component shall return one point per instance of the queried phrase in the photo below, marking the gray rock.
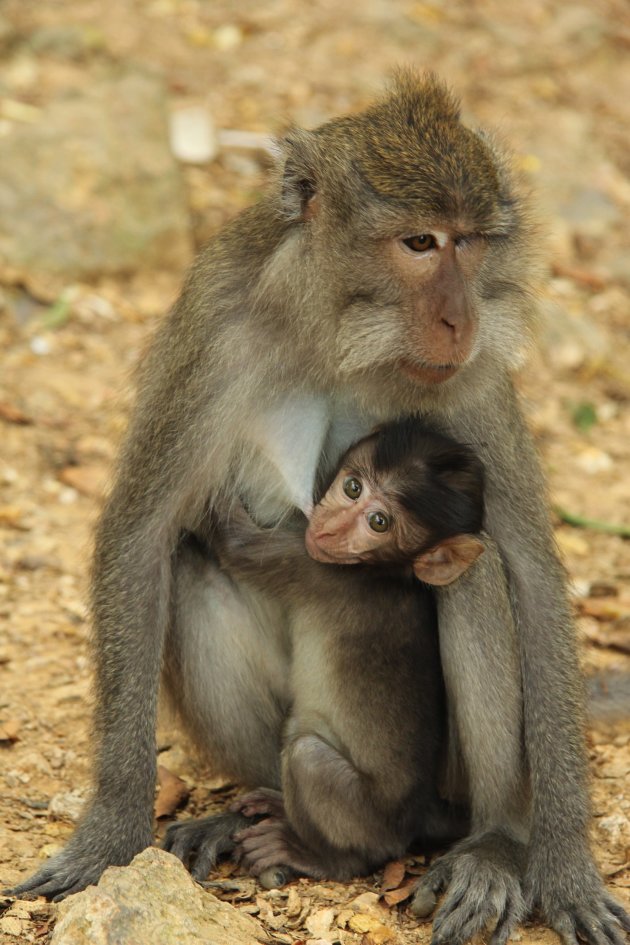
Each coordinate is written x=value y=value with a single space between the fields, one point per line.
x=609 y=695
x=67 y=41
x=91 y=187
x=153 y=900
x=591 y=209
x=68 y=805
x=570 y=339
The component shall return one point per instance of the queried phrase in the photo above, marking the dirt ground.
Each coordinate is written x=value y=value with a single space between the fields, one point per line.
x=555 y=79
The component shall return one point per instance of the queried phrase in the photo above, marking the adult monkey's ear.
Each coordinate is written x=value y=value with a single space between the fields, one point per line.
x=300 y=195
x=444 y=563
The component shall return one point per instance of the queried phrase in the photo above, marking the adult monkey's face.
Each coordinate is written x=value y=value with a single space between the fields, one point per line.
x=418 y=235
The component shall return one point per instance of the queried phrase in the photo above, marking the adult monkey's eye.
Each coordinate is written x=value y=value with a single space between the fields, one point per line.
x=352 y=487
x=378 y=522
x=422 y=243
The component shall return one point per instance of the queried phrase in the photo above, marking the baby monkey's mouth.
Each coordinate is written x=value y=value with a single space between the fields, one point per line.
x=320 y=554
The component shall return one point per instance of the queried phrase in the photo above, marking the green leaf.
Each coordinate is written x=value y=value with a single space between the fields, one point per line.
x=57 y=314
x=584 y=416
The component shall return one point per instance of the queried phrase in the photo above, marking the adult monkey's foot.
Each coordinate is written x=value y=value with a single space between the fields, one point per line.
x=200 y=843
x=100 y=841
x=575 y=903
x=482 y=877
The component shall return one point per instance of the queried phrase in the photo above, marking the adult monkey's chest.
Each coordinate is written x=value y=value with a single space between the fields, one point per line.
x=295 y=439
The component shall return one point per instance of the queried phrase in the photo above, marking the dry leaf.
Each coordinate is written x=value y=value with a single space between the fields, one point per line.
x=604 y=608
x=57 y=828
x=603 y=589
x=13 y=414
x=593 y=460
x=613 y=639
x=50 y=849
x=378 y=936
x=366 y=902
x=344 y=917
x=570 y=543
x=361 y=922
x=218 y=784
x=318 y=923
x=13 y=926
x=417 y=866
x=393 y=875
x=89 y=480
x=227 y=868
x=265 y=910
x=394 y=896
x=9 y=730
x=13 y=517
x=585 y=277
x=173 y=793
x=294 y=903
x=615 y=768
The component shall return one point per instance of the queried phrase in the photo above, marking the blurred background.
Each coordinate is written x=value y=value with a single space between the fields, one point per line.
x=129 y=133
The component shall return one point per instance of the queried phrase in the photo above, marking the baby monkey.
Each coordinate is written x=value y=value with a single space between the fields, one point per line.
x=366 y=731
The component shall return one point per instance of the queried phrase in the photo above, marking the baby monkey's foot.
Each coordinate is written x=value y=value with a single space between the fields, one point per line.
x=263 y=801
x=272 y=851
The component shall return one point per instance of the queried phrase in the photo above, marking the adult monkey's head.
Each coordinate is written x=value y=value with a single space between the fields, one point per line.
x=415 y=245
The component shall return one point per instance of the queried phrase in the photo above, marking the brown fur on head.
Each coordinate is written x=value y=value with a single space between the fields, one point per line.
x=415 y=150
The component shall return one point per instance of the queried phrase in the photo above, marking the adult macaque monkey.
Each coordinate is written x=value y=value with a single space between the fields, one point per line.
x=385 y=272
x=366 y=728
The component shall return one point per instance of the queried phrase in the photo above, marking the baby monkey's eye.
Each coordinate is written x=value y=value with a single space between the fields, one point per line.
x=352 y=487
x=378 y=522
x=422 y=243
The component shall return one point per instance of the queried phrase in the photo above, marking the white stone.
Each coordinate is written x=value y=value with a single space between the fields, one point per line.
x=192 y=135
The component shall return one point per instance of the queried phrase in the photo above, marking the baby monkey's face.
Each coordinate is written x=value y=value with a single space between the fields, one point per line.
x=361 y=519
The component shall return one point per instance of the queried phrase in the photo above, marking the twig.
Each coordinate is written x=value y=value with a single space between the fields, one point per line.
x=578 y=521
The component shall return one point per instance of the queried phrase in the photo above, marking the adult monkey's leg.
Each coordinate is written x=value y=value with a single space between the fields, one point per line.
x=561 y=879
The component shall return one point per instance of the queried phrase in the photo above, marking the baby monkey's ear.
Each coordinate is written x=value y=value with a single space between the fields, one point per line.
x=444 y=563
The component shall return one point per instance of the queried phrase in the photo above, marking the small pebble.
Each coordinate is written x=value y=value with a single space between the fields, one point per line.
x=40 y=345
